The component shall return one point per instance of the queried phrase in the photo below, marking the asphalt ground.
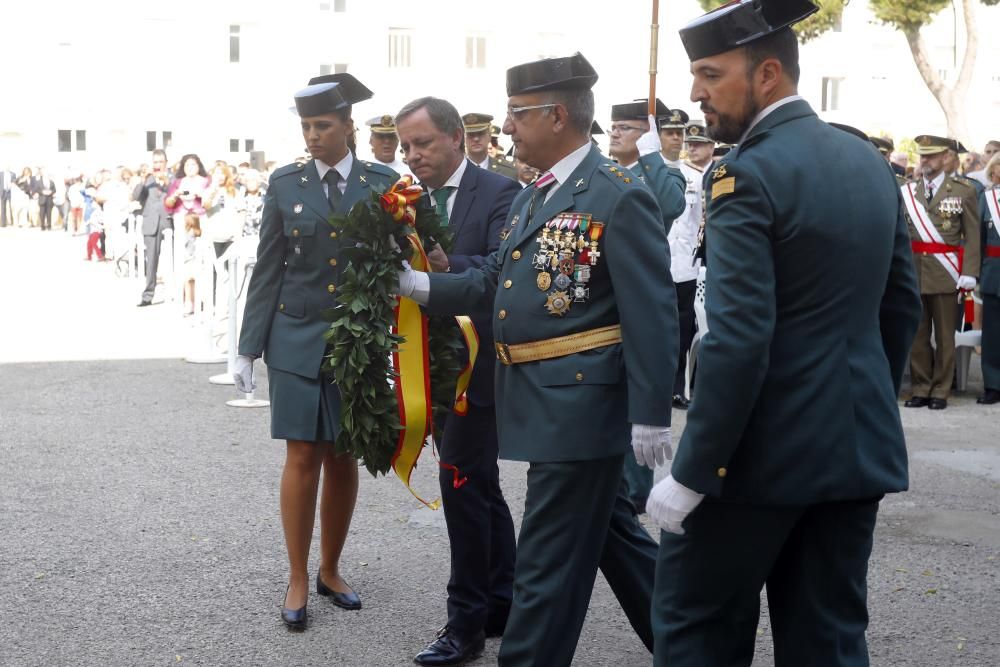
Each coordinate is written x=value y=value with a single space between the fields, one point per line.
x=139 y=518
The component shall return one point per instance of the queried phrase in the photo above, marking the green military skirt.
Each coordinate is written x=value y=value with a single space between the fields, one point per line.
x=303 y=408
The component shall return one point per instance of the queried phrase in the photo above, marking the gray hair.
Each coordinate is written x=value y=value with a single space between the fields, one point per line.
x=579 y=103
x=442 y=113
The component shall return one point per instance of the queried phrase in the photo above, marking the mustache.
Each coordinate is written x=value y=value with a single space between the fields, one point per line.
x=707 y=108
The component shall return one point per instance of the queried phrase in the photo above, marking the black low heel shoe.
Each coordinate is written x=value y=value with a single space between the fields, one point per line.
x=295 y=619
x=343 y=600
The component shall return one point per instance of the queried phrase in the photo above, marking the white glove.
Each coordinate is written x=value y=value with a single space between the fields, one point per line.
x=413 y=284
x=649 y=143
x=966 y=282
x=670 y=502
x=243 y=374
x=651 y=445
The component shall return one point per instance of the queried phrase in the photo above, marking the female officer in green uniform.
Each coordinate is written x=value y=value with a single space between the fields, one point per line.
x=296 y=277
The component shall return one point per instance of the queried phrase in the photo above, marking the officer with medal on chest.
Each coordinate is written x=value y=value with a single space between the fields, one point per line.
x=793 y=435
x=298 y=270
x=944 y=222
x=477 y=145
x=989 y=287
x=634 y=142
x=585 y=324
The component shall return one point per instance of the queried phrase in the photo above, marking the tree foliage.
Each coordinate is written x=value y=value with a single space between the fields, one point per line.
x=907 y=15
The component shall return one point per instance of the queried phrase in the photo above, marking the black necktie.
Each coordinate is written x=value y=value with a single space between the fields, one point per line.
x=333 y=193
x=930 y=192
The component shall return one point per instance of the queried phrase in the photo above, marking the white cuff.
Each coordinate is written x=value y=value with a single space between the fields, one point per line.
x=421 y=288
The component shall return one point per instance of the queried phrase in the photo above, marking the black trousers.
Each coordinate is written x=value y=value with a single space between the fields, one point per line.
x=480 y=528
x=687 y=323
x=812 y=559
x=4 y=206
x=45 y=214
x=153 y=244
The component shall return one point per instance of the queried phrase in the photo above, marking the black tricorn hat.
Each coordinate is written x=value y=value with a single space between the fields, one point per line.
x=851 y=130
x=883 y=144
x=596 y=129
x=673 y=118
x=958 y=147
x=351 y=89
x=637 y=110
x=551 y=74
x=740 y=22
x=319 y=99
x=722 y=150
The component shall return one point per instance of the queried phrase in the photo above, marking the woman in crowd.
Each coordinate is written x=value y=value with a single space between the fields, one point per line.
x=252 y=202
x=221 y=206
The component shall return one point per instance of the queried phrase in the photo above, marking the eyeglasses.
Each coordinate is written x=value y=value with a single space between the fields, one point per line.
x=625 y=128
x=517 y=113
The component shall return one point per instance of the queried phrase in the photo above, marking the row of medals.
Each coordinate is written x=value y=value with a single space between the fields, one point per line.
x=568 y=249
x=950 y=207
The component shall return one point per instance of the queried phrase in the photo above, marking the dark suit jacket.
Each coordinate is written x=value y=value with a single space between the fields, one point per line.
x=38 y=184
x=812 y=305
x=154 y=215
x=477 y=221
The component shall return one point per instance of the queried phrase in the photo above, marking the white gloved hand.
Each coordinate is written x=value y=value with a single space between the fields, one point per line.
x=406 y=280
x=651 y=445
x=670 y=502
x=966 y=282
x=649 y=142
x=243 y=374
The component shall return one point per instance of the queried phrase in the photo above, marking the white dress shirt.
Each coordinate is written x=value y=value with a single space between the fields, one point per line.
x=343 y=168
x=454 y=180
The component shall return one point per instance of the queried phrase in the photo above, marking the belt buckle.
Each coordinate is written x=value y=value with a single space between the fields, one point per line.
x=503 y=353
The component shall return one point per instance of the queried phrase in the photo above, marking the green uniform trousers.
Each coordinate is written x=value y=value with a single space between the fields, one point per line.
x=813 y=560
x=576 y=519
x=933 y=370
x=638 y=481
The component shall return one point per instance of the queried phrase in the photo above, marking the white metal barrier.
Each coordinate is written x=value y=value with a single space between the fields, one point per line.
x=241 y=263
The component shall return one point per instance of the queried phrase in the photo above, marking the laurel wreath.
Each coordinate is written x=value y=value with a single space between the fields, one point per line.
x=360 y=341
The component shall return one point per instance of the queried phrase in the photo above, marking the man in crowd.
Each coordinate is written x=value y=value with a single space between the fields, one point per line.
x=793 y=435
x=989 y=289
x=672 y=126
x=475 y=203
x=526 y=174
x=43 y=190
x=477 y=145
x=991 y=148
x=150 y=194
x=6 y=182
x=384 y=142
x=683 y=237
x=585 y=322
x=944 y=223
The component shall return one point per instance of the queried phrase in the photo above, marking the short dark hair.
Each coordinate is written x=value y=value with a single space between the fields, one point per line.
x=159 y=151
x=579 y=103
x=442 y=113
x=782 y=45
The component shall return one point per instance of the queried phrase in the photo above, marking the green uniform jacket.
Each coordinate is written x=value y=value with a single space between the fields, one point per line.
x=667 y=183
x=580 y=406
x=965 y=227
x=298 y=267
x=812 y=305
x=503 y=167
x=989 y=278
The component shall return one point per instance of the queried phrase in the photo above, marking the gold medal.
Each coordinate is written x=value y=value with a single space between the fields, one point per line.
x=543 y=281
x=557 y=303
x=946 y=225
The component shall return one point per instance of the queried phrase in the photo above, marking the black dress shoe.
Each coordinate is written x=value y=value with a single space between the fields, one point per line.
x=143 y=304
x=450 y=648
x=989 y=397
x=937 y=404
x=295 y=619
x=918 y=402
x=680 y=402
x=343 y=600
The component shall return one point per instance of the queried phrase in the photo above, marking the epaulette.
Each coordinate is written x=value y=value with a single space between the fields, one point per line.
x=378 y=168
x=292 y=168
x=618 y=174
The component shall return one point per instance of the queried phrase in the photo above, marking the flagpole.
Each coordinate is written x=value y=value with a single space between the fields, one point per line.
x=654 y=33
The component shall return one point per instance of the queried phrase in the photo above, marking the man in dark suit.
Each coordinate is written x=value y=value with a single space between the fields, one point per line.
x=43 y=190
x=794 y=433
x=475 y=202
x=150 y=194
x=585 y=320
x=6 y=182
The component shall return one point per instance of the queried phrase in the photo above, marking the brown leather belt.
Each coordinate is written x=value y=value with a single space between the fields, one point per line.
x=559 y=346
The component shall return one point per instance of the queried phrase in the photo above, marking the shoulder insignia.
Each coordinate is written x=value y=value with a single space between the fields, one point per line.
x=718 y=173
x=293 y=168
x=724 y=187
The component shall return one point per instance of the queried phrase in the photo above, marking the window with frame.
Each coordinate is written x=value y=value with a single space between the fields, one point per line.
x=234 y=43
x=81 y=140
x=65 y=141
x=234 y=145
x=831 y=93
x=475 y=51
x=399 y=47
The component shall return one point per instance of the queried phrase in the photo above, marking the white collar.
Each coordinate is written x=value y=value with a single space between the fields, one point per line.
x=936 y=183
x=565 y=167
x=343 y=167
x=768 y=110
x=485 y=164
x=456 y=178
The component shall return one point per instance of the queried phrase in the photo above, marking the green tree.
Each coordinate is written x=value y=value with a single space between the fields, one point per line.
x=909 y=17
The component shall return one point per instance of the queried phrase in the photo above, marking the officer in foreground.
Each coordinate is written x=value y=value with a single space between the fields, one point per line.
x=794 y=434
x=585 y=324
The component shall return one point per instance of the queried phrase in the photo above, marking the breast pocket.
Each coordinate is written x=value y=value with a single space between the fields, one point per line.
x=593 y=367
x=301 y=238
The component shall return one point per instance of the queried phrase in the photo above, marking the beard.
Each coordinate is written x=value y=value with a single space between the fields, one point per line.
x=729 y=128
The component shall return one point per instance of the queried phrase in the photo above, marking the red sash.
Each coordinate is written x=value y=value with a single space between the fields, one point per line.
x=938 y=249
x=993 y=251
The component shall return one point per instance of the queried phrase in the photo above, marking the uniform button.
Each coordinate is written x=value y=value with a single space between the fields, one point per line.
x=579 y=377
x=502 y=314
x=721 y=472
x=516 y=255
x=507 y=283
x=333 y=261
x=281 y=306
x=331 y=288
x=295 y=232
x=333 y=235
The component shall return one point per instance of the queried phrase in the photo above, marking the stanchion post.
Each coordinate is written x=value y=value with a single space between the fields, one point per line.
x=246 y=260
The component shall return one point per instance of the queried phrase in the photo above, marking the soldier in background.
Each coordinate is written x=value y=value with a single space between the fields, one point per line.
x=385 y=143
x=477 y=145
x=672 y=126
